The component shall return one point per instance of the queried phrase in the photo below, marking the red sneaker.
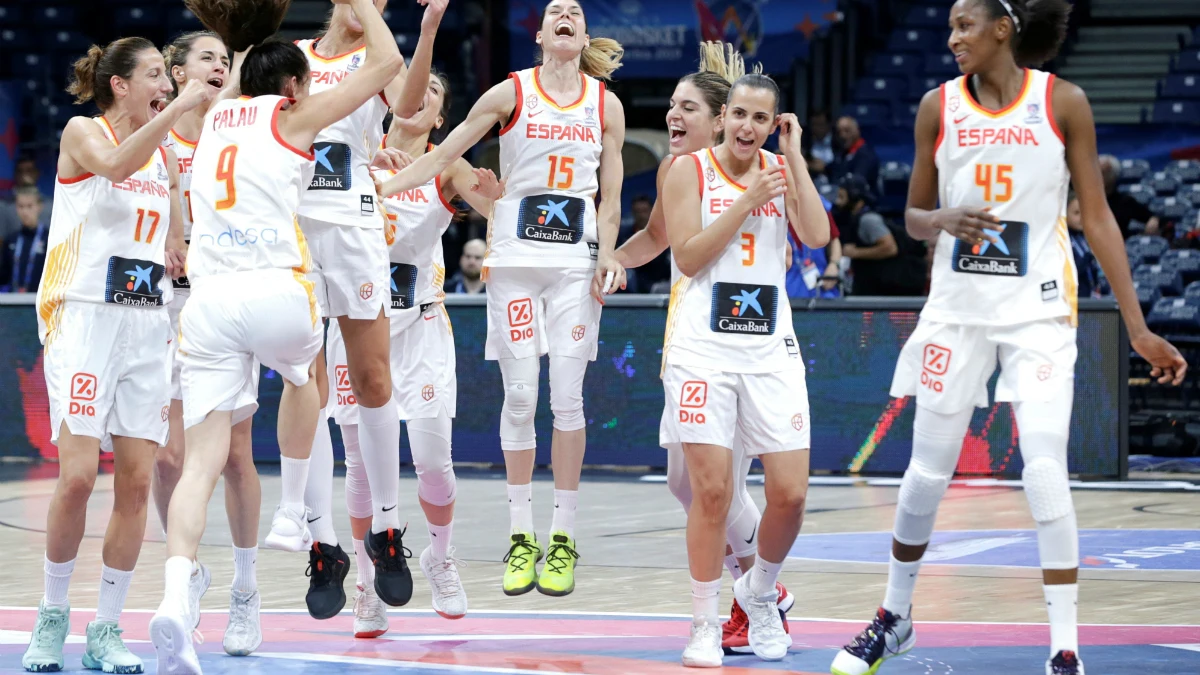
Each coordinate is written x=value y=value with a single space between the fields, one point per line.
x=786 y=601
x=735 y=633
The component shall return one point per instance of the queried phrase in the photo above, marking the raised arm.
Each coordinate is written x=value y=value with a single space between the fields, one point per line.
x=85 y=148
x=416 y=80
x=1100 y=227
x=608 y=215
x=649 y=242
x=301 y=123
x=495 y=106
x=805 y=211
x=461 y=180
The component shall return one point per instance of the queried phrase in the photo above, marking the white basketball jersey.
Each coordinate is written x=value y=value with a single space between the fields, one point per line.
x=734 y=315
x=1012 y=161
x=106 y=240
x=417 y=218
x=246 y=186
x=341 y=190
x=183 y=150
x=550 y=161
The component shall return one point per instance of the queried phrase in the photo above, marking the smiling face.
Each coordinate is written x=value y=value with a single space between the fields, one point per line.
x=975 y=38
x=564 y=29
x=146 y=92
x=693 y=125
x=435 y=98
x=207 y=61
x=749 y=120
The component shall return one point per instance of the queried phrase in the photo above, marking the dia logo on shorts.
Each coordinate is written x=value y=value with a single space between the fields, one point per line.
x=341 y=376
x=83 y=389
x=520 y=315
x=694 y=394
x=934 y=364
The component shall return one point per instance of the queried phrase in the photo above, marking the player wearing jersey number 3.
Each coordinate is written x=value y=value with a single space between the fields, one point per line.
x=732 y=363
x=549 y=244
x=999 y=148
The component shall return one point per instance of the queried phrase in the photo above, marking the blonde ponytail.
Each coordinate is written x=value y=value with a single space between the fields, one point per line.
x=721 y=59
x=601 y=58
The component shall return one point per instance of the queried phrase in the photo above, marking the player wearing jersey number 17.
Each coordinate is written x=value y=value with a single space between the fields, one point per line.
x=1003 y=293
x=732 y=363
x=115 y=240
x=550 y=255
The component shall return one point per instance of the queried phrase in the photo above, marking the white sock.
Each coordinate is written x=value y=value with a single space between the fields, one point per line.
x=735 y=568
x=706 y=598
x=565 y=503
x=245 y=578
x=379 y=441
x=902 y=579
x=763 y=577
x=114 y=586
x=294 y=475
x=1062 y=602
x=58 y=581
x=362 y=562
x=439 y=539
x=520 y=507
x=178 y=575
x=318 y=491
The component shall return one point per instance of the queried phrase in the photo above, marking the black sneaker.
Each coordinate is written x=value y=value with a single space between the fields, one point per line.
x=393 y=581
x=327 y=569
x=877 y=643
x=1066 y=662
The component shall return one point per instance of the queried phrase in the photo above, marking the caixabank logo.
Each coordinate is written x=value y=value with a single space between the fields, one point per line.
x=743 y=308
x=1006 y=257
x=556 y=219
x=133 y=282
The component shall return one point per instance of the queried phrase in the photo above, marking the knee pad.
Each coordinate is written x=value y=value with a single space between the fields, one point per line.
x=677 y=477
x=921 y=491
x=520 y=403
x=430 y=443
x=741 y=525
x=1048 y=489
x=358 y=489
x=566 y=392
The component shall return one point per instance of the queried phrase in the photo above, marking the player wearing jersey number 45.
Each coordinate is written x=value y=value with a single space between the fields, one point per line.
x=999 y=147
x=732 y=364
x=550 y=254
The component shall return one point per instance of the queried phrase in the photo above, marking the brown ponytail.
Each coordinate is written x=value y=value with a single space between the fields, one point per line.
x=94 y=72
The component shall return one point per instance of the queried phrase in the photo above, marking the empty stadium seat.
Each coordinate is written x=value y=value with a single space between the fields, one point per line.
x=66 y=41
x=1192 y=290
x=1184 y=261
x=1148 y=247
x=901 y=64
x=926 y=16
x=1170 y=208
x=1191 y=194
x=919 y=85
x=15 y=40
x=880 y=89
x=905 y=114
x=1133 y=170
x=10 y=15
x=1142 y=193
x=142 y=14
x=1162 y=183
x=918 y=40
x=1175 y=315
x=1185 y=85
x=1188 y=61
x=1168 y=281
x=942 y=65
x=868 y=114
x=1147 y=295
x=52 y=16
x=1176 y=112
x=893 y=185
x=1186 y=170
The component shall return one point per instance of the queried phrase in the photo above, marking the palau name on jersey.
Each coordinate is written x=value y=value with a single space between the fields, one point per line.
x=226 y=119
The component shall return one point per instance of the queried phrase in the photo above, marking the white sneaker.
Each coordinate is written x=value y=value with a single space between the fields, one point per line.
x=171 y=635
x=704 y=647
x=449 y=596
x=768 y=639
x=370 y=615
x=197 y=587
x=289 y=531
x=887 y=636
x=244 y=633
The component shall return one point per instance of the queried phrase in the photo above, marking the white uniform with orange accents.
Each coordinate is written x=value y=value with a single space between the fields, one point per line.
x=545 y=224
x=338 y=213
x=183 y=149
x=251 y=300
x=732 y=363
x=102 y=303
x=1012 y=303
x=424 y=383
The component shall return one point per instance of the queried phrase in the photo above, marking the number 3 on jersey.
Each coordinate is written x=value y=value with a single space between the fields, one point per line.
x=225 y=162
x=561 y=165
x=748 y=249
x=988 y=176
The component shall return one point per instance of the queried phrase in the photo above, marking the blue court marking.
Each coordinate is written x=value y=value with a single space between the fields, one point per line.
x=1098 y=549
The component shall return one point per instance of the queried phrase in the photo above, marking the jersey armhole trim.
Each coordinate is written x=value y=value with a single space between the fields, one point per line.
x=279 y=138
x=163 y=151
x=1050 y=109
x=75 y=179
x=603 y=91
x=437 y=184
x=383 y=97
x=699 y=176
x=941 y=121
x=516 y=113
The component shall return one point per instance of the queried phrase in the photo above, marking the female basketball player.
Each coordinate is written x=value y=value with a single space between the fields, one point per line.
x=1001 y=146
x=730 y=342
x=562 y=141
x=102 y=319
x=252 y=302
x=423 y=362
x=202 y=56
x=694 y=122
x=342 y=223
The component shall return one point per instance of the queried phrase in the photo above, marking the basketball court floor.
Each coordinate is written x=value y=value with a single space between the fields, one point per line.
x=978 y=603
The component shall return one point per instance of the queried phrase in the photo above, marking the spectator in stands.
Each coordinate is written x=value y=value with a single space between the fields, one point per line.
x=818 y=143
x=815 y=272
x=1124 y=207
x=23 y=253
x=1086 y=266
x=25 y=175
x=878 y=265
x=853 y=155
x=470 y=269
x=658 y=270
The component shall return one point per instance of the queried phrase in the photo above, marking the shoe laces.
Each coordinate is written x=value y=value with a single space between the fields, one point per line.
x=320 y=566
x=239 y=612
x=705 y=632
x=1065 y=663
x=392 y=554
x=559 y=555
x=737 y=616
x=445 y=575
x=49 y=625
x=870 y=644
x=364 y=609
x=519 y=553
x=763 y=615
x=108 y=638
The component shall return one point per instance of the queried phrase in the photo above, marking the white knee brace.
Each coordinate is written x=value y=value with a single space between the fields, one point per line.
x=1043 y=429
x=566 y=392
x=520 y=403
x=937 y=441
x=358 y=490
x=741 y=525
x=430 y=443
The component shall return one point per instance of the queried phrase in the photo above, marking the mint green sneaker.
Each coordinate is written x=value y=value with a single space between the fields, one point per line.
x=107 y=652
x=45 y=653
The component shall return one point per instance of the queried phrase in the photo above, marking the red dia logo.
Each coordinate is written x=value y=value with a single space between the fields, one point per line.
x=937 y=359
x=166 y=412
x=520 y=315
x=341 y=375
x=577 y=333
x=797 y=421
x=83 y=387
x=1044 y=371
x=366 y=290
x=427 y=392
x=694 y=394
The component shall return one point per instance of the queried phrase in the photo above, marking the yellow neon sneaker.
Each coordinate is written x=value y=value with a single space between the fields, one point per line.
x=558 y=574
x=520 y=575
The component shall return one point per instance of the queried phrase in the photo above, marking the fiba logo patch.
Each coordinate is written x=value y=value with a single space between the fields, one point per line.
x=710 y=174
x=1034 y=114
x=797 y=421
x=166 y=412
x=531 y=101
x=953 y=103
x=1044 y=372
x=577 y=332
x=427 y=392
x=366 y=290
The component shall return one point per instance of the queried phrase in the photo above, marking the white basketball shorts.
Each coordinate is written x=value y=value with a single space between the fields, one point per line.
x=534 y=311
x=350 y=269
